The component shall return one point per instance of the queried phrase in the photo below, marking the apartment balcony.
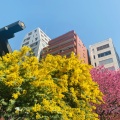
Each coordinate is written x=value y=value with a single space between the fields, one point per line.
x=60 y=47
x=59 y=43
x=62 y=52
x=63 y=37
x=67 y=51
x=64 y=40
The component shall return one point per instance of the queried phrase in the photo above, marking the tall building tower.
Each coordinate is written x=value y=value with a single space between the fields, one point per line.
x=104 y=53
x=36 y=40
x=65 y=44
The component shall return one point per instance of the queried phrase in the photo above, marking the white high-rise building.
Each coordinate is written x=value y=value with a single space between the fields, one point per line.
x=104 y=53
x=36 y=40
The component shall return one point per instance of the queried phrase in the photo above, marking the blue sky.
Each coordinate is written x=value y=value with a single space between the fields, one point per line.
x=92 y=20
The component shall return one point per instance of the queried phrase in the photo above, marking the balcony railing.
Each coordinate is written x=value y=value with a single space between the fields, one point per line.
x=63 y=37
x=61 y=47
x=64 y=40
x=62 y=52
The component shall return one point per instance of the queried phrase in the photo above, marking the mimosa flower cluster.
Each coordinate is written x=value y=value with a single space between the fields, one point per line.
x=55 y=88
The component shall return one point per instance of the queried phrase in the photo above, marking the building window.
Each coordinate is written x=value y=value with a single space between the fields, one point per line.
x=35 y=30
x=95 y=65
x=111 y=68
x=30 y=33
x=24 y=40
x=94 y=56
x=28 y=38
x=25 y=43
x=61 y=51
x=104 y=54
x=107 y=61
x=36 y=38
x=102 y=47
x=34 y=44
x=34 y=49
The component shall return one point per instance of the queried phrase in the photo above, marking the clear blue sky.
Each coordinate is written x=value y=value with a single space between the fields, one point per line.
x=93 y=20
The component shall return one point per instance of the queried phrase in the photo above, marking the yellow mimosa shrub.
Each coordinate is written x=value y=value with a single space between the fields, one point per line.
x=56 y=88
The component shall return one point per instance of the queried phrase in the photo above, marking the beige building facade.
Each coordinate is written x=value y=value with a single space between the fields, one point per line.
x=104 y=53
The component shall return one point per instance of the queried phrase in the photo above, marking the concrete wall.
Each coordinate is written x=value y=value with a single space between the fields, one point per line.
x=94 y=53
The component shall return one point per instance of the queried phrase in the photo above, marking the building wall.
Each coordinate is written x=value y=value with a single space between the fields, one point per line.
x=36 y=40
x=81 y=50
x=65 y=44
x=106 y=56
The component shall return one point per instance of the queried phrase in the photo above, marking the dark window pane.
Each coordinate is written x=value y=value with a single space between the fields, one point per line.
x=30 y=33
x=104 y=54
x=95 y=64
x=102 y=47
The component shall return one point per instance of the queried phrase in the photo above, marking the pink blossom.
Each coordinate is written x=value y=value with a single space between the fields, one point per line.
x=109 y=84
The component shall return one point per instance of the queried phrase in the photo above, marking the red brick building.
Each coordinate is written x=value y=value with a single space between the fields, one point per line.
x=65 y=44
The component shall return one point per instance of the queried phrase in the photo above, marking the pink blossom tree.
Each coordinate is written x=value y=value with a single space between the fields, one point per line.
x=109 y=83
